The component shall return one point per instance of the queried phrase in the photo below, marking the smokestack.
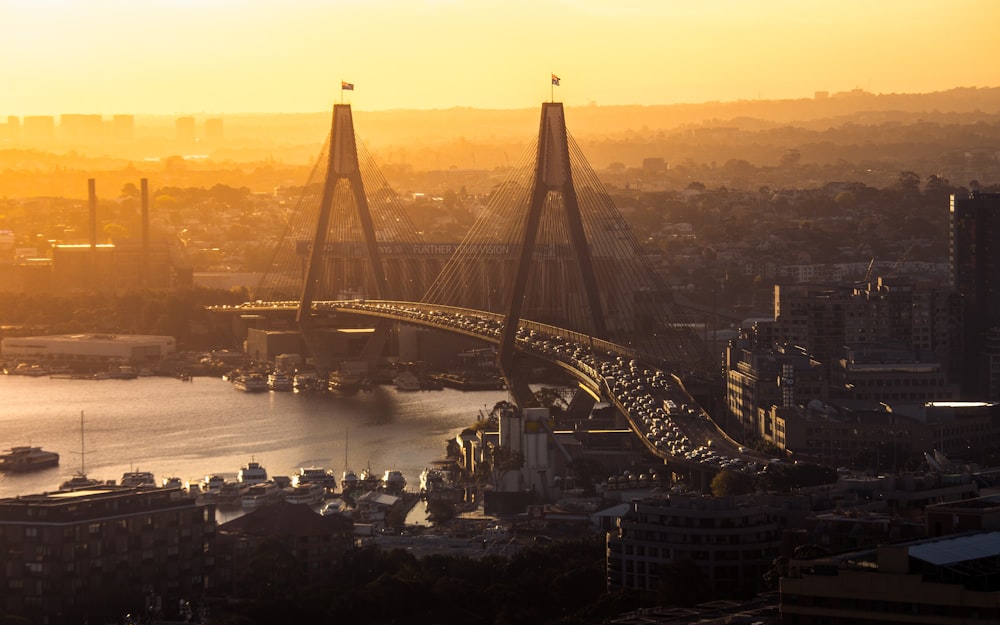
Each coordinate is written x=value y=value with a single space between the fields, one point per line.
x=92 y=194
x=144 y=269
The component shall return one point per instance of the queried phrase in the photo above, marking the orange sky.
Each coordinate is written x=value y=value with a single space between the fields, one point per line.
x=231 y=56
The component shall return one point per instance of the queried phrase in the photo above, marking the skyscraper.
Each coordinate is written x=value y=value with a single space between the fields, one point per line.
x=974 y=222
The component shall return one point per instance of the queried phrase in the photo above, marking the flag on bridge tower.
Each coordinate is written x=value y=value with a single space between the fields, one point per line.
x=555 y=80
x=346 y=86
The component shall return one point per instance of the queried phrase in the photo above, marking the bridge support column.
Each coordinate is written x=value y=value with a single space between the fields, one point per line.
x=581 y=405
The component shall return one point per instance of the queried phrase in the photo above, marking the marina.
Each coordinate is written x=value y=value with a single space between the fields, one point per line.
x=188 y=431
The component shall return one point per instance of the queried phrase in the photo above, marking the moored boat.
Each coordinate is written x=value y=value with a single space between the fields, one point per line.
x=262 y=494
x=308 y=494
x=315 y=475
x=252 y=473
x=278 y=381
x=250 y=383
x=393 y=482
x=138 y=478
x=25 y=458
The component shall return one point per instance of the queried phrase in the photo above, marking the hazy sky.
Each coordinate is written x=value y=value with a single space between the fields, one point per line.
x=229 y=56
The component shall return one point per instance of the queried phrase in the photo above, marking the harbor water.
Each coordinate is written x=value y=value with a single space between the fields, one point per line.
x=205 y=426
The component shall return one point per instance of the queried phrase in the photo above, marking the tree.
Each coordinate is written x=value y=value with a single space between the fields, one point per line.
x=728 y=482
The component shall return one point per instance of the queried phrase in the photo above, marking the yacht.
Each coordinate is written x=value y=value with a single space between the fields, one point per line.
x=278 y=381
x=393 y=481
x=305 y=381
x=309 y=494
x=315 y=475
x=252 y=473
x=261 y=494
x=138 y=478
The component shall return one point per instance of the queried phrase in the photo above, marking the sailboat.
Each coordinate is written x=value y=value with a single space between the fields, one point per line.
x=80 y=481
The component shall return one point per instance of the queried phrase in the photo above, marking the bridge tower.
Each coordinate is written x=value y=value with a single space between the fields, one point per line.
x=343 y=186
x=553 y=174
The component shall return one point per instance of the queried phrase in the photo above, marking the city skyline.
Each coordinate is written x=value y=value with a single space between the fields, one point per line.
x=230 y=56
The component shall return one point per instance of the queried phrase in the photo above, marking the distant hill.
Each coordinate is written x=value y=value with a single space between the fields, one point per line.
x=401 y=126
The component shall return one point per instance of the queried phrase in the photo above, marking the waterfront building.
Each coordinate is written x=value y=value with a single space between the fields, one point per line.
x=974 y=222
x=96 y=554
x=732 y=540
x=945 y=580
x=88 y=351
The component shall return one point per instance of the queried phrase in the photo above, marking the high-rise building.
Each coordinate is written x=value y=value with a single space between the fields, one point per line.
x=39 y=129
x=185 y=128
x=974 y=222
x=213 y=131
x=79 y=129
x=123 y=127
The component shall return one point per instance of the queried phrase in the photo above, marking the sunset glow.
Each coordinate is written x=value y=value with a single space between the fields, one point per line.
x=228 y=56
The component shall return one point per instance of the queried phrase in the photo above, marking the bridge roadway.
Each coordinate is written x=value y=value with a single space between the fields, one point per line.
x=655 y=403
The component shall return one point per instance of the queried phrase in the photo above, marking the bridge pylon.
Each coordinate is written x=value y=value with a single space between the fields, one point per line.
x=552 y=174
x=342 y=173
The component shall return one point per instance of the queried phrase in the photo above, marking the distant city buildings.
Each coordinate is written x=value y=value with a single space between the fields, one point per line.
x=975 y=262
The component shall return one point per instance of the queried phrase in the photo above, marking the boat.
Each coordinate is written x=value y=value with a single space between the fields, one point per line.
x=315 y=475
x=304 y=382
x=138 y=478
x=172 y=482
x=368 y=481
x=32 y=369
x=251 y=474
x=393 y=482
x=407 y=381
x=278 y=381
x=309 y=494
x=349 y=483
x=250 y=383
x=211 y=484
x=24 y=458
x=80 y=481
x=261 y=494
x=434 y=486
x=345 y=382
x=123 y=372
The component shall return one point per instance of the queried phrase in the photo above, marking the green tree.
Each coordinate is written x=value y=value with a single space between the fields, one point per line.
x=728 y=482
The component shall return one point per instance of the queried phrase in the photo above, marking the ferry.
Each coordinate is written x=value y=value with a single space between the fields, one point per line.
x=25 y=458
x=250 y=382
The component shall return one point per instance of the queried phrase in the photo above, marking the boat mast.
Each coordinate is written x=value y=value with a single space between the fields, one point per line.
x=83 y=452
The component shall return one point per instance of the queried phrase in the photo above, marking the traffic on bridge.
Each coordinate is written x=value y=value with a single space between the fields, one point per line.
x=654 y=402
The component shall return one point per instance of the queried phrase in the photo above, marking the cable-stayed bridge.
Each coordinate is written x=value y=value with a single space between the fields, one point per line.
x=550 y=270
